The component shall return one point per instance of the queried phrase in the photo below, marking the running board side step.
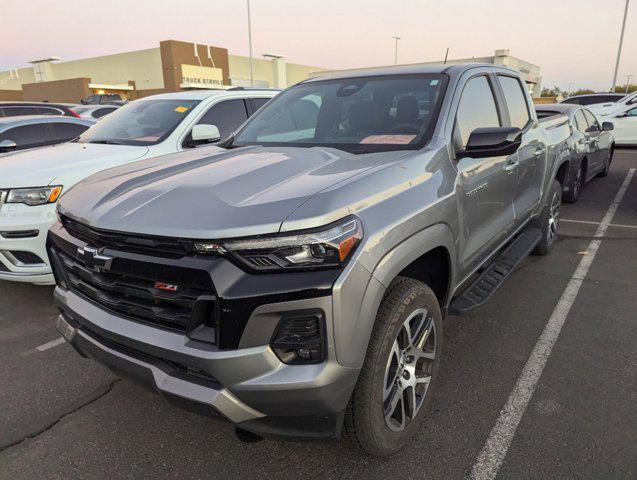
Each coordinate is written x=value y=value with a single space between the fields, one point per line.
x=494 y=275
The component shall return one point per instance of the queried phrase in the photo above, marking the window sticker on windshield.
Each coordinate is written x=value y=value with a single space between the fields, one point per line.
x=433 y=82
x=181 y=109
x=388 y=139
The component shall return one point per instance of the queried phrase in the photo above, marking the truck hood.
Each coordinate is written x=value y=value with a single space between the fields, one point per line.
x=65 y=163
x=211 y=193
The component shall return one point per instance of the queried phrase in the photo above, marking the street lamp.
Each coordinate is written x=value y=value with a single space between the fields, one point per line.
x=250 y=41
x=396 y=38
x=619 y=49
x=627 y=82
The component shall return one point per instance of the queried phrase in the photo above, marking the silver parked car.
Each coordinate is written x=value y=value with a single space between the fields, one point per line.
x=30 y=131
x=590 y=146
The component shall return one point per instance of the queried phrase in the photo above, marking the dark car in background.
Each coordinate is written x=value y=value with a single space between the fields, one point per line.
x=15 y=109
x=20 y=133
x=590 y=146
x=103 y=98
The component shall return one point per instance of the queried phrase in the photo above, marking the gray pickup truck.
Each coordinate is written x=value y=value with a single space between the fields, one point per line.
x=294 y=282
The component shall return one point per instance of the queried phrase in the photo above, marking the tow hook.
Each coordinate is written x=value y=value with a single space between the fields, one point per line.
x=247 y=437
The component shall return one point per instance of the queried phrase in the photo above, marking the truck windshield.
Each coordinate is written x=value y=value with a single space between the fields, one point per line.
x=142 y=122
x=359 y=115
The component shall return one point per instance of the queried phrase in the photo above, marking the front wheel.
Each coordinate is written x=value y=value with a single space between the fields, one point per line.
x=604 y=172
x=549 y=220
x=394 y=387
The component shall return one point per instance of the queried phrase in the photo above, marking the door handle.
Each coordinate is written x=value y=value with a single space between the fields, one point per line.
x=511 y=166
x=539 y=151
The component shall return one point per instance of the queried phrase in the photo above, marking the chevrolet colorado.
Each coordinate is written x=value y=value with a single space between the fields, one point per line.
x=294 y=282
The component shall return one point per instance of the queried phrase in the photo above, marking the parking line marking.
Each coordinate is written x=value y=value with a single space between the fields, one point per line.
x=51 y=344
x=615 y=225
x=497 y=444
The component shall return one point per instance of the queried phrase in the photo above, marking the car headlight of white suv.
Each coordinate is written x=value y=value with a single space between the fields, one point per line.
x=34 y=196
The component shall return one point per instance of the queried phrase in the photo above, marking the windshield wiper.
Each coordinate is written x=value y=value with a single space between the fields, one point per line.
x=104 y=142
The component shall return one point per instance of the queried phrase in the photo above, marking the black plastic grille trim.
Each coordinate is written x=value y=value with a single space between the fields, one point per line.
x=156 y=246
x=131 y=296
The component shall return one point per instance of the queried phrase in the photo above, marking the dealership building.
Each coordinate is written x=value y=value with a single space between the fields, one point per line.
x=170 y=67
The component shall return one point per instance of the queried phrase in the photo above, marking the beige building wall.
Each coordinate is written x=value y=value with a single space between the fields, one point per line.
x=264 y=72
x=25 y=75
x=141 y=66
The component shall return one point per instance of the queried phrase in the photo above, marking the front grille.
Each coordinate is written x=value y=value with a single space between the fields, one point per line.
x=156 y=246
x=136 y=297
x=3 y=268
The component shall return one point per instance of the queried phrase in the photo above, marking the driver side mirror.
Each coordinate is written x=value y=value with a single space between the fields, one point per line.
x=607 y=126
x=7 y=145
x=205 y=133
x=492 y=142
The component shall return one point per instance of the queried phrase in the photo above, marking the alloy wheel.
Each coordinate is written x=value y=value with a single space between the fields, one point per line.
x=409 y=369
x=554 y=215
x=577 y=186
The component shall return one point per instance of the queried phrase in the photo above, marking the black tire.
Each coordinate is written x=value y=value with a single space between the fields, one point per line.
x=572 y=195
x=549 y=220
x=604 y=172
x=366 y=426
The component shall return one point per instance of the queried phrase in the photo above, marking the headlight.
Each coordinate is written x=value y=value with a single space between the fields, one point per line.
x=34 y=196
x=329 y=246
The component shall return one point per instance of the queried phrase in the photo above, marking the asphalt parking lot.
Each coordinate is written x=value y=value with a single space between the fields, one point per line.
x=63 y=416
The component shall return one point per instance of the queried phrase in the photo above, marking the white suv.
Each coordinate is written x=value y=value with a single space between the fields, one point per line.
x=32 y=181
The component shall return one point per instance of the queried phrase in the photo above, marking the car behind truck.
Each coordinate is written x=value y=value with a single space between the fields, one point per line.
x=295 y=281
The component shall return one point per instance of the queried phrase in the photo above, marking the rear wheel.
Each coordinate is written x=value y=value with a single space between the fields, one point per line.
x=549 y=220
x=572 y=194
x=394 y=387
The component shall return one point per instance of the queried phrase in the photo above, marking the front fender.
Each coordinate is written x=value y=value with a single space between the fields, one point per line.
x=357 y=293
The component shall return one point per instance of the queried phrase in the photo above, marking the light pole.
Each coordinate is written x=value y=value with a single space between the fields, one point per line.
x=627 y=82
x=396 y=38
x=619 y=50
x=250 y=41
x=569 y=87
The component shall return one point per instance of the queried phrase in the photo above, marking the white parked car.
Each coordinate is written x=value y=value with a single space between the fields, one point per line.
x=625 y=123
x=610 y=108
x=32 y=181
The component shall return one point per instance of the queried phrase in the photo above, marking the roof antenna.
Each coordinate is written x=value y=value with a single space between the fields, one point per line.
x=446 y=55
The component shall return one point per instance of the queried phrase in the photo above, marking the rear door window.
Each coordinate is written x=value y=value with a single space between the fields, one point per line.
x=18 y=111
x=100 y=112
x=50 y=111
x=27 y=136
x=516 y=101
x=64 y=132
x=477 y=109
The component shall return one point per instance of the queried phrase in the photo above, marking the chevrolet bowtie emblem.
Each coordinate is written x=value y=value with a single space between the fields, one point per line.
x=94 y=260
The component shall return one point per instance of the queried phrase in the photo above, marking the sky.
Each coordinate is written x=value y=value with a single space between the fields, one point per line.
x=573 y=41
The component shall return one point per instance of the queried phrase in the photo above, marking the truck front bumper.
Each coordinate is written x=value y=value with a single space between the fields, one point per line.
x=249 y=387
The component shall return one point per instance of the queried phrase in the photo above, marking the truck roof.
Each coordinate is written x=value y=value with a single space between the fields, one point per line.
x=455 y=70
